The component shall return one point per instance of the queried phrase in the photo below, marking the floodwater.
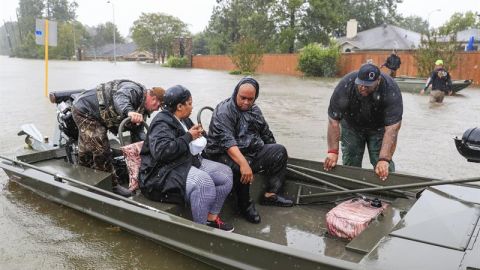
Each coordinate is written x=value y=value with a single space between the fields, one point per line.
x=38 y=234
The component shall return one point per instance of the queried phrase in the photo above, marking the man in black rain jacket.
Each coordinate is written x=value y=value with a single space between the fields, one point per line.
x=239 y=137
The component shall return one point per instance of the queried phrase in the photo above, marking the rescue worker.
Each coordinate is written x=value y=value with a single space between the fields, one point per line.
x=441 y=83
x=172 y=169
x=99 y=110
x=365 y=109
x=239 y=136
x=393 y=63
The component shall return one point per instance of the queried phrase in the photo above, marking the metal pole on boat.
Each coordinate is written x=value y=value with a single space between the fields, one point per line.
x=405 y=186
x=290 y=166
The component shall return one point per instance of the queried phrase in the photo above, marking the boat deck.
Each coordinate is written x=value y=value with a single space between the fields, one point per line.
x=300 y=227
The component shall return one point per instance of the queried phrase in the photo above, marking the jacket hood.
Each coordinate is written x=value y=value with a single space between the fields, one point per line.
x=243 y=81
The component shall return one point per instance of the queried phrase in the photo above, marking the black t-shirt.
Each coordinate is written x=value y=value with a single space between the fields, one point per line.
x=393 y=62
x=384 y=107
x=440 y=80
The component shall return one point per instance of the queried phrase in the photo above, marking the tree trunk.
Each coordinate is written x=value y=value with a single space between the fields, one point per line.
x=291 y=48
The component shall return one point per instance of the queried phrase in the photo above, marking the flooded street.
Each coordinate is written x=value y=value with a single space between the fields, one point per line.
x=39 y=234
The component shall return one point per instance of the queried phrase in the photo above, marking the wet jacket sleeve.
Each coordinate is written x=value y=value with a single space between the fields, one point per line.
x=223 y=129
x=126 y=98
x=430 y=79
x=265 y=132
x=164 y=146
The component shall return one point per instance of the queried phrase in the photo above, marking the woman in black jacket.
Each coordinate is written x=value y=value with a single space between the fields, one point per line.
x=172 y=169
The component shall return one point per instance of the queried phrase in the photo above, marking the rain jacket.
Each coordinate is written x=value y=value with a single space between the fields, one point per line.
x=130 y=97
x=166 y=159
x=232 y=127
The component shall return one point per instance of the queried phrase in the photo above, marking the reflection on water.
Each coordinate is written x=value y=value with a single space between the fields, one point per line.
x=295 y=108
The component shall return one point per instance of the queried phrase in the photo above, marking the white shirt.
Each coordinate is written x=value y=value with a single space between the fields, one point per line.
x=197 y=145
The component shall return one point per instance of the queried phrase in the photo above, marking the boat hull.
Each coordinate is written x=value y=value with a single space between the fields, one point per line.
x=270 y=244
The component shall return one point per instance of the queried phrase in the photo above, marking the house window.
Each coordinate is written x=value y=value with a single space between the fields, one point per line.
x=348 y=50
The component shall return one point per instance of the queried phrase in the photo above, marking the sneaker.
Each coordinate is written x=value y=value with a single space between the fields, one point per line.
x=219 y=224
x=276 y=200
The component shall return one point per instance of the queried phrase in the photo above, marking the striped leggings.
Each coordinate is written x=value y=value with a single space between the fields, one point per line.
x=207 y=188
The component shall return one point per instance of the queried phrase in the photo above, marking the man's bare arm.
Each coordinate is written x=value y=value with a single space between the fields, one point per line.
x=389 y=143
x=245 y=170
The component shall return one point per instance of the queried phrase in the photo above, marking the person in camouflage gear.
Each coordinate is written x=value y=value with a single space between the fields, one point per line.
x=99 y=110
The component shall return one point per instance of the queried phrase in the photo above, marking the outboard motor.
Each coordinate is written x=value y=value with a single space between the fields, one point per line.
x=68 y=129
x=469 y=145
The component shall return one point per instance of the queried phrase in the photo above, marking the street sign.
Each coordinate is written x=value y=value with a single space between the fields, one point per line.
x=40 y=32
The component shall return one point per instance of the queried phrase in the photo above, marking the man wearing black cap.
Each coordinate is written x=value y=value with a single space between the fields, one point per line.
x=239 y=136
x=366 y=106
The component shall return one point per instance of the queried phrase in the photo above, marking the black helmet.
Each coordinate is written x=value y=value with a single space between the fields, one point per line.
x=175 y=95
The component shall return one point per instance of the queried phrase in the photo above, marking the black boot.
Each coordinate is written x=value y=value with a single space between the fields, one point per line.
x=118 y=189
x=250 y=213
x=276 y=200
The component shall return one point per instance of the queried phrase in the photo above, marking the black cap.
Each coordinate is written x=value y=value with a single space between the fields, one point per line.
x=367 y=74
x=174 y=96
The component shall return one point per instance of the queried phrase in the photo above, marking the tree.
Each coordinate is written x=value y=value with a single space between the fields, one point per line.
x=288 y=13
x=28 y=11
x=372 y=13
x=324 y=19
x=460 y=21
x=102 y=34
x=247 y=55
x=200 y=44
x=156 y=32
x=61 y=10
x=414 y=23
x=431 y=49
x=67 y=43
x=233 y=19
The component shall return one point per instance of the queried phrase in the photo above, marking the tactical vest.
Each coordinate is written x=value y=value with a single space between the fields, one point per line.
x=109 y=115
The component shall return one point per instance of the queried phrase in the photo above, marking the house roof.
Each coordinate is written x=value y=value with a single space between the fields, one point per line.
x=465 y=35
x=385 y=37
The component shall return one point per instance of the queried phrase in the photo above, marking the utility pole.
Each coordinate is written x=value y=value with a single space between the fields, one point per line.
x=114 y=33
x=74 y=41
x=8 y=38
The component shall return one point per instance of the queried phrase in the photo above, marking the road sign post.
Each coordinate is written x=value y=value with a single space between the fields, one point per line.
x=46 y=34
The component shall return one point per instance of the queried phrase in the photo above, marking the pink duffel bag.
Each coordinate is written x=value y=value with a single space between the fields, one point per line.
x=131 y=153
x=350 y=218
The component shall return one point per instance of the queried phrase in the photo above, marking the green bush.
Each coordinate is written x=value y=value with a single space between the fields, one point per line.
x=177 y=62
x=315 y=60
x=247 y=55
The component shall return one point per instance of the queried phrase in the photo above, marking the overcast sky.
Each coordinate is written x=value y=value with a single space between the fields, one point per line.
x=196 y=13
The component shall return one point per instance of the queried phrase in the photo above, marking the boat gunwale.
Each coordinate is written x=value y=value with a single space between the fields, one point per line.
x=172 y=220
